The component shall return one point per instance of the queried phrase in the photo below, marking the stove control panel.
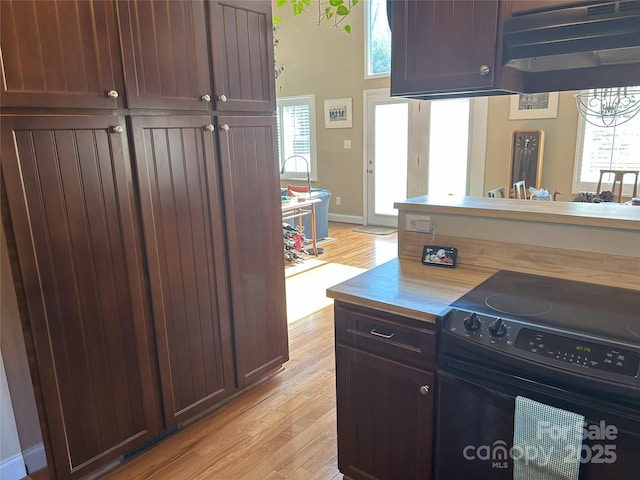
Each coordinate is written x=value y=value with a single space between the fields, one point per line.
x=520 y=339
x=586 y=354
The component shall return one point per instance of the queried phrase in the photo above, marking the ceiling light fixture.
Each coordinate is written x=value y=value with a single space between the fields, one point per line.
x=608 y=107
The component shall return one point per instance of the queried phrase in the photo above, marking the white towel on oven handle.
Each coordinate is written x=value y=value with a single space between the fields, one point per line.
x=547 y=441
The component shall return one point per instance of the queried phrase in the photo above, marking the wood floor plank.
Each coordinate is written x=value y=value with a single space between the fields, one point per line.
x=284 y=428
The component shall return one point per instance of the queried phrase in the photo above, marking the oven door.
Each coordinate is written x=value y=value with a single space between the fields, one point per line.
x=474 y=425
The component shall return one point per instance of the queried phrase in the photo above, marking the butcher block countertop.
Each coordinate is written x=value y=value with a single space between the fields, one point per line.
x=407 y=287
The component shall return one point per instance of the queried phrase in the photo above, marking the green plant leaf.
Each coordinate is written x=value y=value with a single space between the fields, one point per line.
x=342 y=10
x=276 y=20
x=298 y=8
x=347 y=28
x=335 y=3
x=281 y=3
x=354 y=2
x=329 y=12
x=307 y=2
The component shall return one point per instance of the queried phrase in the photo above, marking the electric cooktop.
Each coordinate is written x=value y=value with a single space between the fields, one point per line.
x=598 y=311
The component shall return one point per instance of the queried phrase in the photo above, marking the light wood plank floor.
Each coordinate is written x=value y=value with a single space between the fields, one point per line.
x=284 y=428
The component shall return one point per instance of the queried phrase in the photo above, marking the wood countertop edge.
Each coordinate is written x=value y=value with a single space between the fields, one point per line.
x=408 y=288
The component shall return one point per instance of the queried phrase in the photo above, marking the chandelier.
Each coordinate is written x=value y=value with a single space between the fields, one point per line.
x=608 y=107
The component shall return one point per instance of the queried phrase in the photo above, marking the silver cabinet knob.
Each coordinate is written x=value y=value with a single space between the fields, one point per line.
x=424 y=390
x=484 y=70
x=206 y=97
x=210 y=128
x=117 y=129
x=112 y=94
x=225 y=127
x=222 y=98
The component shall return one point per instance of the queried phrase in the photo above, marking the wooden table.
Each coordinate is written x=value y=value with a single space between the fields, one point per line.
x=298 y=207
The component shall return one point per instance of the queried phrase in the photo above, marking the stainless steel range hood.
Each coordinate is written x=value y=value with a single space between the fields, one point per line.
x=587 y=35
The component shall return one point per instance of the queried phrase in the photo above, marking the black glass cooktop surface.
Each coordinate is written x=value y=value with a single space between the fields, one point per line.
x=598 y=311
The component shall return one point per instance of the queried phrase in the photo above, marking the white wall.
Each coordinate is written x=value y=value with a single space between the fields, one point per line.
x=11 y=461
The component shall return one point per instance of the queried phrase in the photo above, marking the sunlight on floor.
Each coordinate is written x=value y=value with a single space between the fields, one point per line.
x=306 y=291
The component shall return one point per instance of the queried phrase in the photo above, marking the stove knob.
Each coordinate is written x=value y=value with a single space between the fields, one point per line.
x=498 y=329
x=472 y=323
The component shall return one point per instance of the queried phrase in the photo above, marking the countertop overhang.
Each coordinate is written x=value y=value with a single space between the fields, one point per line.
x=409 y=288
x=606 y=214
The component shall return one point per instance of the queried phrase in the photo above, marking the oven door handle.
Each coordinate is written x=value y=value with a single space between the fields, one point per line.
x=485 y=386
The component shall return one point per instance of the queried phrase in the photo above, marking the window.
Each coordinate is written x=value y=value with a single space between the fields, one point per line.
x=296 y=137
x=606 y=148
x=378 y=39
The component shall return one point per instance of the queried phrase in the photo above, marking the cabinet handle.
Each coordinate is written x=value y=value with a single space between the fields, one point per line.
x=210 y=128
x=383 y=335
x=206 y=97
x=424 y=390
x=117 y=129
x=112 y=94
x=484 y=70
x=224 y=127
x=222 y=98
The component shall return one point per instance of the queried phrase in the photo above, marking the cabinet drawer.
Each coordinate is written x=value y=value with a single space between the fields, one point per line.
x=401 y=339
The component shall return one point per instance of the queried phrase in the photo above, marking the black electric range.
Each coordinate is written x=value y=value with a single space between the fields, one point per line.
x=589 y=331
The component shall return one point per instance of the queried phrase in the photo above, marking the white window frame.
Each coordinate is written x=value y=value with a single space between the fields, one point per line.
x=367 y=40
x=578 y=185
x=310 y=101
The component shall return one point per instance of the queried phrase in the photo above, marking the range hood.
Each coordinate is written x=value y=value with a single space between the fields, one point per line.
x=587 y=35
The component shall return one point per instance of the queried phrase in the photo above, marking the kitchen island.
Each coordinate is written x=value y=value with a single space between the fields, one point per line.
x=385 y=318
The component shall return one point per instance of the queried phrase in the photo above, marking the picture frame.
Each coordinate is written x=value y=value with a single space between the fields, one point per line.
x=338 y=113
x=526 y=106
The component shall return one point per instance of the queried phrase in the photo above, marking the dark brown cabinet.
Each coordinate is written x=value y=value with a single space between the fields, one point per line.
x=242 y=49
x=184 y=239
x=60 y=54
x=74 y=218
x=165 y=54
x=444 y=47
x=150 y=274
x=385 y=368
x=249 y=176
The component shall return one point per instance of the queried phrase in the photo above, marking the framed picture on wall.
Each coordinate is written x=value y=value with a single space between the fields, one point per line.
x=534 y=106
x=338 y=113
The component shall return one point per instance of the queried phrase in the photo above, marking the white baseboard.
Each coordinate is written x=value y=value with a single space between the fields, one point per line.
x=35 y=457
x=336 y=217
x=12 y=468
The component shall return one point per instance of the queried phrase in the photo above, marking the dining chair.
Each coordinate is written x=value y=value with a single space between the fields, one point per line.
x=497 y=192
x=618 y=176
x=520 y=190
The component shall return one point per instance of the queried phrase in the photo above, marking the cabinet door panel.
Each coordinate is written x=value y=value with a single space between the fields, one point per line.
x=185 y=245
x=71 y=200
x=59 y=54
x=441 y=46
x=384 y=421
x=254 y=241
x=242 y=47
x=165 y=53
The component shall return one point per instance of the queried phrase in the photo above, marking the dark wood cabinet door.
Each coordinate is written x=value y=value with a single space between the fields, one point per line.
x=59 y=54
x=165 y=54
x=443 y=46
x=184 y=238
x=242 y=48
x=254 y=240
x=73 y=218
x=384 y=419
